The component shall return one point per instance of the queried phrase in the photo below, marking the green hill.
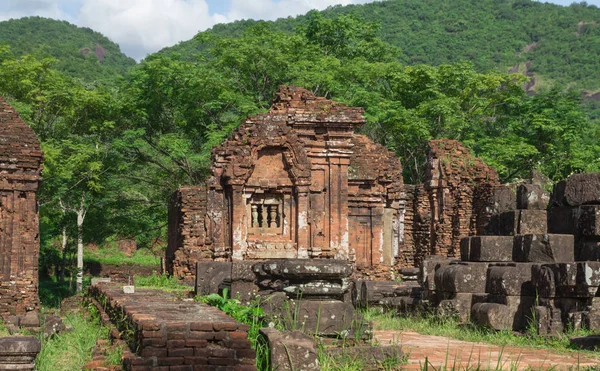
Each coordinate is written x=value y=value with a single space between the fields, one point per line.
x=551 y=43
x=80 y=52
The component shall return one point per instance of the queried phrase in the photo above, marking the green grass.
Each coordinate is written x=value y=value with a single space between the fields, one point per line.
x=430 y=324
x=71 y=350
x=161 y=282
x=113 y=256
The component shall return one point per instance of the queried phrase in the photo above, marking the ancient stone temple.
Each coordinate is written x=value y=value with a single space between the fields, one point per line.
x=20 y=168
x=296 y=182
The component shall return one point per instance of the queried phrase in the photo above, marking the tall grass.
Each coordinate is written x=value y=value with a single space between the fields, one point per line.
x=113 y=256
x=71 y=350
x=161 y=282
x=431 y=324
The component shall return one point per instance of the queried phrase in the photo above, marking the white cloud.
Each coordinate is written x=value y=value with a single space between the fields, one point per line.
x=141 y=27
x=23 y=8
x=271 y=10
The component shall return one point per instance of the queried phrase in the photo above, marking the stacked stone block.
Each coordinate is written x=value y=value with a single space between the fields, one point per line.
x=168 y=334
x=311 y=295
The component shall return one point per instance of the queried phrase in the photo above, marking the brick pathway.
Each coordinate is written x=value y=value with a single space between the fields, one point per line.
x=463 y=355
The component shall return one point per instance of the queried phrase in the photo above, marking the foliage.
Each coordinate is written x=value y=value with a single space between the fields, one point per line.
x=74 y=48
x=71 y=349
x=115 y=153
x=113 y=256
x=162 y=282
x=252 y=315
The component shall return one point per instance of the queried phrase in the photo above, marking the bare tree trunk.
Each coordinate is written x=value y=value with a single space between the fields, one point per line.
x=63 y=264
x=80 y=218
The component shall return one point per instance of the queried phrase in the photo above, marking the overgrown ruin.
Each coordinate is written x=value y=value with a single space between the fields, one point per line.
x=20 y=170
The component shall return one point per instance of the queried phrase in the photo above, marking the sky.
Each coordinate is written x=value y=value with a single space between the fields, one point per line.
x=142 y=27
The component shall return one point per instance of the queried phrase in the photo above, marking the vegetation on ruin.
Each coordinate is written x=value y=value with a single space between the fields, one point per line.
x=428 y=323
x=72 y=47
x=115 y=153
x=71 y=350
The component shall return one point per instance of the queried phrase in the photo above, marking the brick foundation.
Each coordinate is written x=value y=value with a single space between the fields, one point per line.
x=172 y=335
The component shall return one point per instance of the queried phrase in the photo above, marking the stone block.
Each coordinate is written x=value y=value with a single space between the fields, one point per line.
x=31 y=319
x=428 y=269
x=291 y=350
x=541 y=248
x=582 y=189
x=490 y=248
x=465 y=248
x=519 y=308
x=567 y=280
x=307 y=269
x=129 y=289
x=589 y=220
x=456 y=305
x=503 y=199
x=331 y=318
x=242 y=271
x=532 y=197
x=516 y=222
x=492 y=315
x=463 y=277
x=563 y=220
x=512 y=279
x=210 y=275
x=380 y=292
x=587 y=249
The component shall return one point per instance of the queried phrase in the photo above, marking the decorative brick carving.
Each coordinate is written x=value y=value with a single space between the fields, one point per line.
x=295 y=182
x=20 y=174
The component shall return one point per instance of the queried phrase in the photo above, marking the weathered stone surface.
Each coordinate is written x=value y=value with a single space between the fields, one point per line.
x=375 y=293
x=519 y=308
x=19 y=353
x=516 y=222
x=489 y=248
x=589 y=220
x=591 y=342
x=532 y=197
x=463 y=277
x=456 y=305
x=512 y=279
x=20 y=175
x=563 y=220
x=291 y=350
x=540 y=248
x=504 y=198
x=428 y=269
x=582 y=189
x=307 y=269
x=53 y=325
x=331 y=318
x=587 y=249
x=210 y=275
x=567 y=280
x=492 y=315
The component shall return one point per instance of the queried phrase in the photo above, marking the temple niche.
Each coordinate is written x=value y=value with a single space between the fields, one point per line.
x=20 y=174
x=296 y=182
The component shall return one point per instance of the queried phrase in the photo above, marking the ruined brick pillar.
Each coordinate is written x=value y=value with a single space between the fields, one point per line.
x=20 y=175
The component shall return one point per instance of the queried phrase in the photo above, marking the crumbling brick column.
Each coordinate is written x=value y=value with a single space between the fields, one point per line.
x=20 y=174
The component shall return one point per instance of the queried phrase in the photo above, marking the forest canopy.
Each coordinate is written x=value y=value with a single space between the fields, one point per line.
x=115 y=152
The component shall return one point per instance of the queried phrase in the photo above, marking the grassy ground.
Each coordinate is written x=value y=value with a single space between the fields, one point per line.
x=71 y=350
x=160 y=282
x=429 y=324
x=113 y=256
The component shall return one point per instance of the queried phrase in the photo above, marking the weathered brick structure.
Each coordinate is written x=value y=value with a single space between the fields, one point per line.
x=455 y=201
x=296 y=182
x=20 y=168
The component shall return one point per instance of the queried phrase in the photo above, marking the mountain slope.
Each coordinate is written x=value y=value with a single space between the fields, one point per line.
x=554 y=44
x=81 y=52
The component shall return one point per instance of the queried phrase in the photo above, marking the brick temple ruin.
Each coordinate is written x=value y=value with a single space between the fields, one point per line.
x=297 y=187
x=298 y=182
x=20 y=174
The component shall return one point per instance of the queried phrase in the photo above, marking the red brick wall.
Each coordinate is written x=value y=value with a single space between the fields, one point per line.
x=20 y=159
